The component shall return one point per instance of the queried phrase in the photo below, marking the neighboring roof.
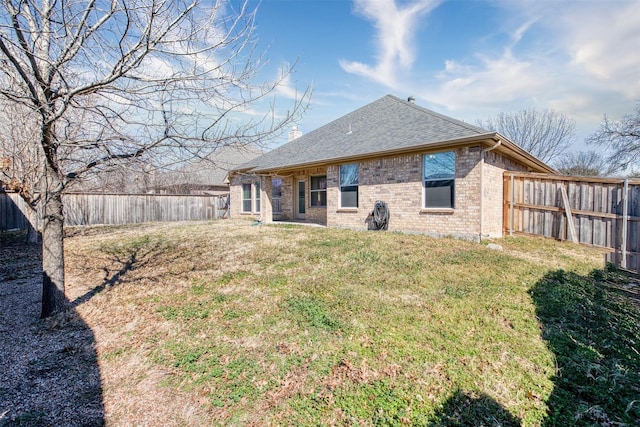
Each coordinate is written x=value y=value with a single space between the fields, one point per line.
x=388 y=125
x=213 y=169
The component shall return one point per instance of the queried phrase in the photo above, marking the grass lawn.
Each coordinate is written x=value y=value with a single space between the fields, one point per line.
x=226 y=323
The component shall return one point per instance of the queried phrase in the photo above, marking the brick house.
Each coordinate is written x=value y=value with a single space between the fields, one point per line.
x=437 y=175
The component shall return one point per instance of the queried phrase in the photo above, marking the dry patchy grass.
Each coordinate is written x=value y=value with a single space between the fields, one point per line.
x=229 y=323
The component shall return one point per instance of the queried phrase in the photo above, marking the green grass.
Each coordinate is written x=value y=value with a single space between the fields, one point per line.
x=595 y=335
x=310 y=326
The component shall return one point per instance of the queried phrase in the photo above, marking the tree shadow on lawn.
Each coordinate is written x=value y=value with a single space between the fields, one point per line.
x=49 y=373
x=465 y=409
x=593 y=328
x=126 y=261
x=110 y=280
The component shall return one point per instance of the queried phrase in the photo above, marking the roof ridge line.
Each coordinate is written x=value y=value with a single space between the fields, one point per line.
x=440 y=115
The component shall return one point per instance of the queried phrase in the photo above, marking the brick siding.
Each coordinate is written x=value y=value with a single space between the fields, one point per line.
x=493 y=205
x=397 y=180
x=235 y=196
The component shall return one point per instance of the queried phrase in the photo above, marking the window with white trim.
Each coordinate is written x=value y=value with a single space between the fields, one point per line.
x=246 y=197
x=318 y=191
x=439 y=173
x=257 y=190
x=349 y=185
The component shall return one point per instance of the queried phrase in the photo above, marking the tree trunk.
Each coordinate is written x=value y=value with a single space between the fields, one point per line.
x=53 y=298
x=33 y=233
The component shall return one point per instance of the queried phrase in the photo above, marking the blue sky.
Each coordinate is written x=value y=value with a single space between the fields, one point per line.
x=467 y=59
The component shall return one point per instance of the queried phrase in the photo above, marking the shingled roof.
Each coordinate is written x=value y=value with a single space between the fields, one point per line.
x=387 y=125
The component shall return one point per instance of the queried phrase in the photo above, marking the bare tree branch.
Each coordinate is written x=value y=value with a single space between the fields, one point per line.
x=132 y=82
x=621 y=138
x=585 y=163
x=546 y=134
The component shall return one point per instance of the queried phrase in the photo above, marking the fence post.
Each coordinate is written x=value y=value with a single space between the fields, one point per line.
x=625 y=220
x=511 y=205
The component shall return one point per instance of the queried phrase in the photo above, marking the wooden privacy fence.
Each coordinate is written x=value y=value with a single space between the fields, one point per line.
x=13 y=212
x=594 y=211
x=98 y=209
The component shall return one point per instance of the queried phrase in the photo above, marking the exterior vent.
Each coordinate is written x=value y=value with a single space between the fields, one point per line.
x=294 y=133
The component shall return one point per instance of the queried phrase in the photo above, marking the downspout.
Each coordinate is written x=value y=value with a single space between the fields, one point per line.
x=482 y=155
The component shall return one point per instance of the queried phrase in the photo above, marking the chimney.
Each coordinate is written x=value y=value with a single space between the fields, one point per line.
x=294 y=133
x=411 y=100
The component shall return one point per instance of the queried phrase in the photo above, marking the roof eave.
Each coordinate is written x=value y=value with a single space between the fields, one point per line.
x=512 y=149
x=345 y=159
x=523 y=156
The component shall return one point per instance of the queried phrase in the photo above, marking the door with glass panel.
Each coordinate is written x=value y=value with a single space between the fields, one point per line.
x=301 y=201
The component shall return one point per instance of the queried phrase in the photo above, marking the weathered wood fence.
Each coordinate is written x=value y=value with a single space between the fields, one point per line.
x=13 y=212
x=98 y=209
x=600 y=212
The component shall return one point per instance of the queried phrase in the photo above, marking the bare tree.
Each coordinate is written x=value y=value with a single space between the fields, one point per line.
x=108 y=81
x=584 y=163
x=546 y=134
x=621 y=138
x=132 y=177
x=21 y=160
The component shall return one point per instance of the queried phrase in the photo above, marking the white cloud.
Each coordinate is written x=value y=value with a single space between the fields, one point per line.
x=579 y=58
x=157 y=68
x=602 y=40
x=395 y=27
x=488 y=80
x=285 y=87
x=519 y=32
x=485 y=83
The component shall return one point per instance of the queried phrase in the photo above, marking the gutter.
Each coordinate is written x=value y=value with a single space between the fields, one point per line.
x=515 y=152
x=450 y=143
x=523 y=155
x=482 y=156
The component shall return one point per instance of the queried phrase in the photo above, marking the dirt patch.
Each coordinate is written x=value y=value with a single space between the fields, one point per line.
x=49 y=373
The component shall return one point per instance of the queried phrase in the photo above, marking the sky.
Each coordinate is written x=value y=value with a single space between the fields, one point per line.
x=467 y=59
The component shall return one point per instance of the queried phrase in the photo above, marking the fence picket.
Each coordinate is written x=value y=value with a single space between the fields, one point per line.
x=99 y=209
x=600 y=211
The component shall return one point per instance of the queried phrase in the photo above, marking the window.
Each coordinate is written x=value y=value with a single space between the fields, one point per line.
x=257 y=188
x=302 y=185
x=318 y=191
x=246 y=197
x=349 y=186
x=276 y=194
x=439 y=179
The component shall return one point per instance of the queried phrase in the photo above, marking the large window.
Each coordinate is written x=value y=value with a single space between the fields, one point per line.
x=318 y=192
x=276 y=194
x=439 y=179
x=246 y=197
x=349 y=186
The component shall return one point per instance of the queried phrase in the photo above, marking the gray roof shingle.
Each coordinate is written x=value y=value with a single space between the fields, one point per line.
x=388 y=124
